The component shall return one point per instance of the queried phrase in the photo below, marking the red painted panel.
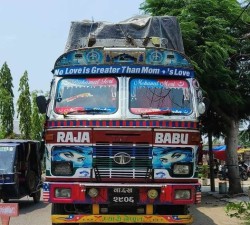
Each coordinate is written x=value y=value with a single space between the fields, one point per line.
x=69 y=136
x=122 y=136
x=77 y=193
x=9 y=209
x=176 y=138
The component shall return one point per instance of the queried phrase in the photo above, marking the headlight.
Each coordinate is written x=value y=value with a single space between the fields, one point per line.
x=62 y=192
x=93 y=192
x=62 y=168
x=181 y=169
x=152 y=194
x=182 y=194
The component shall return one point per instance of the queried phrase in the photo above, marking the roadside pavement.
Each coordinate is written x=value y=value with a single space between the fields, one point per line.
x=212 y=209
x=221 y=191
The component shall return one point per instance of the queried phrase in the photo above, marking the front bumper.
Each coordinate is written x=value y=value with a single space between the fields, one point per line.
x=164 y=219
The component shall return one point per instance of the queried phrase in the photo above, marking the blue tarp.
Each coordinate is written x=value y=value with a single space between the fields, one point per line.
x=219 y=148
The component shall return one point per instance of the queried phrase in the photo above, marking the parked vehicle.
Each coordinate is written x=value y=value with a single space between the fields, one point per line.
x=20 y=169
x=223 y=173
x=245 y=167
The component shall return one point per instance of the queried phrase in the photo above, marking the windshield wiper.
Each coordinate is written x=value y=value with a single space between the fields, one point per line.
x=85 y=111
x=162 y=112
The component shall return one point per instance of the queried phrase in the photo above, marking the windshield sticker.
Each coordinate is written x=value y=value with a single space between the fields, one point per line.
x=87 y=96
x=167 y=97
x=124 y=69
x=106 y=81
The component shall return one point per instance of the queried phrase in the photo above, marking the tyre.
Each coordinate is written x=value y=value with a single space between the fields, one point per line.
x=31 y=181
x=244 y=176
x=36 y=196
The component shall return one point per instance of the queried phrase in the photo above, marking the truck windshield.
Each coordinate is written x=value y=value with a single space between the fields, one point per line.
x=157 y=95
x=87 y=95
x=7 y=156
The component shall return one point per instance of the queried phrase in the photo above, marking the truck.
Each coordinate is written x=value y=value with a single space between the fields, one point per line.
x=122 y=133
x=20 y=169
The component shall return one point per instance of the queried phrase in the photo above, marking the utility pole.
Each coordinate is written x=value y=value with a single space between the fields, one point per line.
x=211 y=161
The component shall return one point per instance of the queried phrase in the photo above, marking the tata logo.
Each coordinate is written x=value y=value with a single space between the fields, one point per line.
x=171 y=138
x=73 y=137
x=122 y=158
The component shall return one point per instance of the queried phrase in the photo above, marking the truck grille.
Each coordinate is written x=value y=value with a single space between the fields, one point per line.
x=138 y=165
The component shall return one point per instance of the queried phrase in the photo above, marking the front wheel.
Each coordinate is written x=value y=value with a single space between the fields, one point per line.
x=36 y=196
x=244 y=176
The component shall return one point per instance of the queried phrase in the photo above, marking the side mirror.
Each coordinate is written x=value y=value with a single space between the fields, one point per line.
x=41 y=104
x=201 y=108
x=203 y=105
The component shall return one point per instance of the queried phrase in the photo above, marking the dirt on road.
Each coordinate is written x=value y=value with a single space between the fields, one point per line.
x=212 y=212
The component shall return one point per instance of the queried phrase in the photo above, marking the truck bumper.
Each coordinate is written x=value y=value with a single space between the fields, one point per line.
x=165 y=219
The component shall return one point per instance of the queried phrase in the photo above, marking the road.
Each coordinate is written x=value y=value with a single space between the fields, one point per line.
x=210 y=212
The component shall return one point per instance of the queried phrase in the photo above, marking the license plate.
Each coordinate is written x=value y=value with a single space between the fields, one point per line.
x=123 y=195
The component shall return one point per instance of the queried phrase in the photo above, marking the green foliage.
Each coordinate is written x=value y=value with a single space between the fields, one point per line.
x=204 y=171
x=244 y=138
x=31 y=122
x=240 y=210
x=6 y=102
x=37 y=120
x=211 y=36
x=214 y=33
x=24 y=107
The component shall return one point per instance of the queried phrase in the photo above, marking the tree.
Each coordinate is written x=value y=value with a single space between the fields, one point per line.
x=24 y=107
x=6 y=102
x=37 y=120
x=212 y=32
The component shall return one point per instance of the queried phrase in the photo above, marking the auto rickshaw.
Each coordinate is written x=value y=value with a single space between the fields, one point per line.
x=20 y=169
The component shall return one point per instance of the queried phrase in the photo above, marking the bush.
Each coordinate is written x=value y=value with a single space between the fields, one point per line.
x=204 y=171
x=239 y=210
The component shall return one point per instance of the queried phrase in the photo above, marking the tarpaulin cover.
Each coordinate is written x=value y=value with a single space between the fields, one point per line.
x=219 y=152
x=219 y=148
x=138 y=31
x=221 y=155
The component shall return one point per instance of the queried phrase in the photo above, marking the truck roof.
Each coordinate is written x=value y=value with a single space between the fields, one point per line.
x=16 y=141
x=138 y=31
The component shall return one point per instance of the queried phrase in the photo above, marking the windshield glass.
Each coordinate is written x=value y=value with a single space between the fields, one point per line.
x=7 y=156
x=87 y=95
x=157 y=95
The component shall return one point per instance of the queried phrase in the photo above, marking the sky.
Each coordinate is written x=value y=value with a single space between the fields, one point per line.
x=34 y=32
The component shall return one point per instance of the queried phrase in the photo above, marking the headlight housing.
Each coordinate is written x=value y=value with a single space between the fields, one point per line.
x=93 y=192
x=181 y=169
x=64 y=168
x=63 y=193
x=152 y=194
x=182 y=194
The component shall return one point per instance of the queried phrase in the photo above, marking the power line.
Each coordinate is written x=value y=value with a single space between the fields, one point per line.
x=240 y=14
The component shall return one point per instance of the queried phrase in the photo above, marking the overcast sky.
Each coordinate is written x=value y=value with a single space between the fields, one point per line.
x=34 y=32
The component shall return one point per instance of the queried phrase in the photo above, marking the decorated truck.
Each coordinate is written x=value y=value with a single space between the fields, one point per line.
x=122 y=133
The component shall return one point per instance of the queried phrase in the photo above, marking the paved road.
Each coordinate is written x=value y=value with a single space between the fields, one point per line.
x=210 y=212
